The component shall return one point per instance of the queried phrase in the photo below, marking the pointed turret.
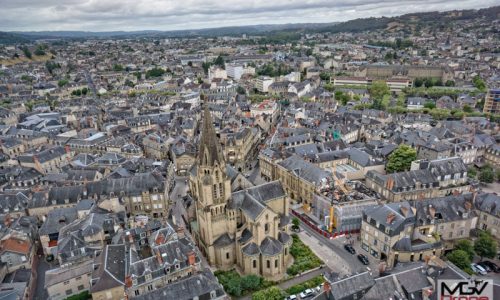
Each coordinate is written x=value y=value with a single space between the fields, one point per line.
x=210 y=149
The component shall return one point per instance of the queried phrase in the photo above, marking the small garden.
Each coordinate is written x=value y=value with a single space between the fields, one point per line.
x=311 y=283
x=304 y=258
x=236 y=285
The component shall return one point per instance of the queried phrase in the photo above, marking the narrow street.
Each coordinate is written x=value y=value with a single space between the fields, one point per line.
x=334 y=255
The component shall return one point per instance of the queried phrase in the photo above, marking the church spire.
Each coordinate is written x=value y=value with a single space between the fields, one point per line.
x=210 y=149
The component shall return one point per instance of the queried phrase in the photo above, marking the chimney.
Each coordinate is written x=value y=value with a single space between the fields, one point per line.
x=191 y=258
x=180 y=232
x=468 y=205
x=160 y=239
x=158 y=258
x=432 y=211
x=390 y=183
x=130 y=238
x=128 y=281
x=404 y=211
x=390 y=218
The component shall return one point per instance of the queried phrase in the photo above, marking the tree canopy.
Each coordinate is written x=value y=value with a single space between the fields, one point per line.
x=460 y=259
x=400 y=160
x=272 y=293
x=485 y=245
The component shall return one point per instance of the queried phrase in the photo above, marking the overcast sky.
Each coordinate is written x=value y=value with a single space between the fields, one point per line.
x=109 y=15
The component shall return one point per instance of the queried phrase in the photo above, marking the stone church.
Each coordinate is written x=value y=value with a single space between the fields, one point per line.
x=243 y=228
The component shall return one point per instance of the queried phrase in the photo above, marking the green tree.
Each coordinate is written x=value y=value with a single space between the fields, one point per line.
x=450 y=83
x=241 y=90
x=155 y=72
x=118 y=68
x=219 y=61
x=485 y=245
x=486 y=175
x=62 y=82
x=233 y=286
x=460 y=259
x=272 y=293
x=467 y=247
x=27 y=52
x=400 y=160
x=324 y=76
x=295 y=223
x=251 y=282
x=479 y=83
x=472 y=172
x=430 y=105
x=467 y=108
x=378 y=90
x=39 y=51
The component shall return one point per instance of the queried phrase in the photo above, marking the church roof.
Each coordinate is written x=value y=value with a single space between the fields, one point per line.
x=210 y=148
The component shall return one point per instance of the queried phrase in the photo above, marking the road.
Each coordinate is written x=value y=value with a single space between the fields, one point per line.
x=332 y=252
x=176 y=196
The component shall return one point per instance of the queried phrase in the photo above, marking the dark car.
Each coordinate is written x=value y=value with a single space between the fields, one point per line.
x=493 y=267
x=350 y=249
x=485 y=266
x=490 y=265
x=363 y=259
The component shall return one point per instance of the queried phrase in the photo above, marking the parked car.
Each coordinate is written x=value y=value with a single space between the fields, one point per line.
x=319 y=288
x=363 y=259
x=478 y=269
x=291 y=297
x=306 y=293
x=350 y=248
x=484 y=266
x=492 y=266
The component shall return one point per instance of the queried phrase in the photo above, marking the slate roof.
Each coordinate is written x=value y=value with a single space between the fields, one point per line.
x=346 y=287
x=305 y=170
x=223 y=241
x=270 y=246
x=112 y=270
x=198 y=286
x=251 y=249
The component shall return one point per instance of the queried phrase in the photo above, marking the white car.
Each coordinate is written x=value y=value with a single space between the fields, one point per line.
x=291 y=297
x=478 y=269
x=306 y=293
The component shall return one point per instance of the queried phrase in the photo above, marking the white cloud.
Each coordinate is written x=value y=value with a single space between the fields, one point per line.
x=108 y=15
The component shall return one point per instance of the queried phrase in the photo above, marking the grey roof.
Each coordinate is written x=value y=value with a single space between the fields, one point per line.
x=250 y=206
x=58 y=218
x=223 y=240
x=61 y=274
x=112 y=270
x=402 y=212
x=345 y=288
x=488 y=203
x=197 y=286
x=251 y=249
x=304 y=169
x=270 y=246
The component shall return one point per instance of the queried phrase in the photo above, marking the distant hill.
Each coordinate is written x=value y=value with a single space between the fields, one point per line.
x=12 y=38
x=357 y=25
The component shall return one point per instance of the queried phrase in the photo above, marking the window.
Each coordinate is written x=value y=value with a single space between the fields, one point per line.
x=81 y=287
x=66 y=282
x=136 y=292
x=227 y=255
x=266 y=227
x=69 y=292
x=150 y=287
x=255 y=263
x=276 y=263
x=78 y=278
x=268 y=264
